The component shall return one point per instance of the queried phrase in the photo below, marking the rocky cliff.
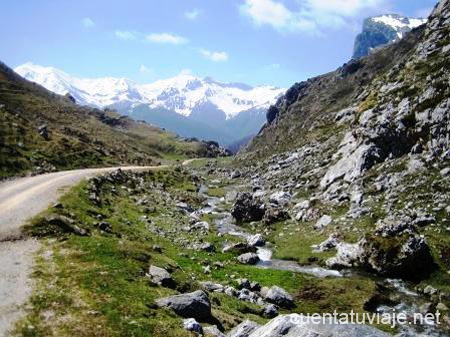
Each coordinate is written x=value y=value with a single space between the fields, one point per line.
x=370 y=143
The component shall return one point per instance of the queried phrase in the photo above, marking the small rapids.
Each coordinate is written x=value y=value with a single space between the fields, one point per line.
x=407 y=300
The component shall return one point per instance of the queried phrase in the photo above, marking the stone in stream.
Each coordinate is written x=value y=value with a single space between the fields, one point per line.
x=161 y=277
x=280 y=297
x=190 y=324
x=406 y=258
x=240 y=248
x=244 y=329
x=247 y=208
x=347 y=256
x=248 y=258
x=256 y=240
x=191 y=305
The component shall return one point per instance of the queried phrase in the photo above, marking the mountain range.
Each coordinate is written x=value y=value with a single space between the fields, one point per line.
x=185 y=104
x=382 y=30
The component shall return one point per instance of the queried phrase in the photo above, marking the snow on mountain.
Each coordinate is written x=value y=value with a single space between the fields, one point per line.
x=182 y=94
x=381 y=30
x=401 y=24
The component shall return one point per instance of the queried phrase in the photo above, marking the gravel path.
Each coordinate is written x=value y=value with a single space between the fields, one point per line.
x=20 y=200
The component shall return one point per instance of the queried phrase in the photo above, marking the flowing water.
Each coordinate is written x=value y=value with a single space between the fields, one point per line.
x=408 y=301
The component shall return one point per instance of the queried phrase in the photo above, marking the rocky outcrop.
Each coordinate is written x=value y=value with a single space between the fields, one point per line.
x=407 y=257
x=192 y=305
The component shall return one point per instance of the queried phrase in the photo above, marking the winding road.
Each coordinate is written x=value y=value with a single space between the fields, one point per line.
x=20 y=200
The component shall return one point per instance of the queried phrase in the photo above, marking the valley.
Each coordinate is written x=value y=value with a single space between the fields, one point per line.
x=112 y=226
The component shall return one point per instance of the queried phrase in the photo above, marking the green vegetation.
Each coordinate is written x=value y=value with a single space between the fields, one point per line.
x=41 y=132
x=97 y=285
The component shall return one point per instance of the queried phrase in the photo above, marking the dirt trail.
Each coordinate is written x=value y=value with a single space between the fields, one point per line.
x=20 y=200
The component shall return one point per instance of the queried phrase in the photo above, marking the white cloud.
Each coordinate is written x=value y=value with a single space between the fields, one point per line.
x=193 y=14
x=309 y=16
x=88 y=23
x=216 y=56
x=125 y=35
x=144 y=69
x=166 y=38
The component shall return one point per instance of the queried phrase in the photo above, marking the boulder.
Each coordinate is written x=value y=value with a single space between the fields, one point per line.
x=406 y=257
x=256 y=240
x=248 y=258
x=274 y=215
x=295 y=325
x=65 y=224
x=161 y=277
x=212 y=287
x=328 y=244
x=239 y=248
x=191 y=324
x=270 y=311
x=348 y=255
x=247 y=209
x=192 y=305
x=323 y=222
x=280 y=297
x=244 y=329
x=280 y=198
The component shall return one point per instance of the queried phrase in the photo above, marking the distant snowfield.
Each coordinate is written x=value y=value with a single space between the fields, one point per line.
x=399 y=23
x=181 y=94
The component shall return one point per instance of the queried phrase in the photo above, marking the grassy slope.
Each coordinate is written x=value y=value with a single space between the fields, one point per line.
x=96 y=285
x=79 y=136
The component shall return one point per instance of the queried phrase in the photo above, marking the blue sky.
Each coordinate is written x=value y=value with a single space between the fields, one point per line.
x=257 y=42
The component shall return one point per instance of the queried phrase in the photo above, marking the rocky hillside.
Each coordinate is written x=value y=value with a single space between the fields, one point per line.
x=362 y=156
x=381 y=30
x=42 y=131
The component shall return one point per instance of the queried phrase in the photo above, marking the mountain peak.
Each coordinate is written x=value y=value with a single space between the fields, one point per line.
x=182 y=94
x=382 y=30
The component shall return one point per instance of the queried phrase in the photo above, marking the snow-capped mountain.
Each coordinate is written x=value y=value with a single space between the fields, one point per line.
x=382 y=30
x=182 y=94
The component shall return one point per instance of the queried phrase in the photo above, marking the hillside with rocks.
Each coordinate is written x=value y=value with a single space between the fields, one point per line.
x=339 y=204
x=43 y=132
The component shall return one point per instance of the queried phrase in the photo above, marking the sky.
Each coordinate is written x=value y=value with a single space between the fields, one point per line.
x=258 y=42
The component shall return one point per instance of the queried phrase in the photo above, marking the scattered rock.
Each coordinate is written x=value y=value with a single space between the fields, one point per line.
x=256 y=240
x=192 y=305
x=270 y=311
x=247 y=209
x=323 y=222
x=161 y=277
x=190 y=324
x=280 y=297
x=66 y=224
x=244 y=329
x=280 y=198
x=248 y=258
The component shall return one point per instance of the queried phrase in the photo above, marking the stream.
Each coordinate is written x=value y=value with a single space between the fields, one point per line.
x=408 y=301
